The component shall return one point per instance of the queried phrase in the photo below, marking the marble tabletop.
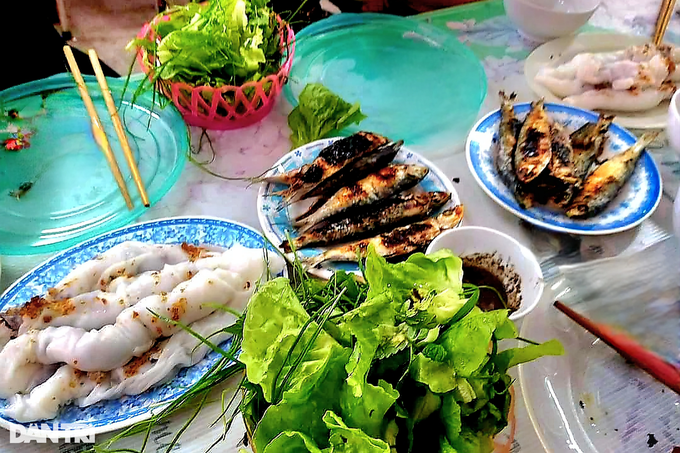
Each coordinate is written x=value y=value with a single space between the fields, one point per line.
x=250 y=151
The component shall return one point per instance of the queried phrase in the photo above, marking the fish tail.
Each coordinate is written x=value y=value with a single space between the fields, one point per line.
x=285 y=245
x=315 y=260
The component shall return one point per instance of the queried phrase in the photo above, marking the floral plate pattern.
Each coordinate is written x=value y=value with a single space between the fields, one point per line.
x=276 y=222
x=637 y=200
x=73 y=421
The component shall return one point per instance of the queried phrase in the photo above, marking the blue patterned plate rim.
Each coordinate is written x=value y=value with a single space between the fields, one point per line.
x=435 y=177
x=540 y=216
x=83 y=250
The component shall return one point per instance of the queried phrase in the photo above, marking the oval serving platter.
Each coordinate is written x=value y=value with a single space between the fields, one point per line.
x=637 y=200
x=72 y=195
x=73 y=421
x=276 y=222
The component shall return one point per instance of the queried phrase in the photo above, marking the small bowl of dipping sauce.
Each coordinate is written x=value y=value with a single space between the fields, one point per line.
x=491 y=258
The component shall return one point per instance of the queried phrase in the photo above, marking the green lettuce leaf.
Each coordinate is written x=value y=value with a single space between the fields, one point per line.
x=512 y=357
x=348 y=440
x=273 y=321
x=368 y=411
x=435 y=280
x=438 y=376
x=471 y=442
x=320 y=112
x=467 y=341
x=364 y=405
x=292 y=441
x=304 y=413
x=451 y=418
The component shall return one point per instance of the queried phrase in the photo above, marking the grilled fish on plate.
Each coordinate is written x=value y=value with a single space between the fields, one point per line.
x=605 y=181
x=588 y=143
x=534 y=147
x=342 y=158
x=398 y=242
x=383 y=183
x=392 y=211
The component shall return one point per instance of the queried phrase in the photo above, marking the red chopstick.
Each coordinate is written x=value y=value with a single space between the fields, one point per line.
x=630 y=349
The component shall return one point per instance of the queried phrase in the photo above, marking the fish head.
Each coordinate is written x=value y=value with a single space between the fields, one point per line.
x=417 y=171
x=450 y=218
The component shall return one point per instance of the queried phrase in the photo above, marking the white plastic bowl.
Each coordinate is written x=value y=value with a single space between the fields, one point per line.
x=673 y=133
x=465 y=241
x=543 y=20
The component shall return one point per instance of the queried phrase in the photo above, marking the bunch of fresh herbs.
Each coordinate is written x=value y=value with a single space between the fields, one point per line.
x=221 y=42
x=400 y=360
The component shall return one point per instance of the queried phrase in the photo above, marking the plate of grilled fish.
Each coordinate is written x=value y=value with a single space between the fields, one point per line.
x=563 y=168
x=82 y=347
x=331 y=199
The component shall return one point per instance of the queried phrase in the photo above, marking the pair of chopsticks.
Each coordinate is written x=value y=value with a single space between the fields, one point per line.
x=665 y=14
x=98 y=129
x=630 y=349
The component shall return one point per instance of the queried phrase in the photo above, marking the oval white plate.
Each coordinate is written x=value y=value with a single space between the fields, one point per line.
x=590 y=400
x=559 y=51
x=73 y=421
x=275 y=222
x=637 y=200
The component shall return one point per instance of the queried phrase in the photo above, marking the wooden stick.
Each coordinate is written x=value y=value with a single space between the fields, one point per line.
x=630 y=349
x=665 y=14
x=97 y=129
x=118 y=126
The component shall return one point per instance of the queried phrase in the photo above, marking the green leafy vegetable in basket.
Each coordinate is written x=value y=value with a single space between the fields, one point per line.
x=403 y=362
x=222 y=42
x=319 y=113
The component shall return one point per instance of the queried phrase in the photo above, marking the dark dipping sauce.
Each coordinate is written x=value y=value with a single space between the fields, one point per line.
x=488 y=299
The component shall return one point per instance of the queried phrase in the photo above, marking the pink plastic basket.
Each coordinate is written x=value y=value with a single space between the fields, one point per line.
x=226 y=107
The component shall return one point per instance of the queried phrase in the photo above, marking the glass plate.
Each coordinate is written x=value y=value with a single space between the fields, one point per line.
x=74 y=195
x=591 y=400
x=413 y=81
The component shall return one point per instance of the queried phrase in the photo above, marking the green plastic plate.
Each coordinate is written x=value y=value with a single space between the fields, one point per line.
x=414 y=81
x=73 y=195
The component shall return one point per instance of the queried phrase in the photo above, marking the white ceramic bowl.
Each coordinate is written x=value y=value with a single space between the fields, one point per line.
x=673 y=133
x=543 y=20
x=464 y=241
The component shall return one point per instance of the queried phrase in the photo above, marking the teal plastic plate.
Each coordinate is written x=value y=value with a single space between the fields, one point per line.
x=414 y=81
x=73 y=195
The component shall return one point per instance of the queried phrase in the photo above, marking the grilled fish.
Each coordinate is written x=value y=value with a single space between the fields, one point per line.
x=377 y=186
x=588 y=144
x=339 y=156
x=508 y=130
x=400 y=241
x=534 y=150
x=393 y=211
x=359 y=169
x=605 y=181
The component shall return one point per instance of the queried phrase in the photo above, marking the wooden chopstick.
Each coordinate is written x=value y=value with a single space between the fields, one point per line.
x=118 y=126
x=630 y=349
x=97 y=129
x=665 y=14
